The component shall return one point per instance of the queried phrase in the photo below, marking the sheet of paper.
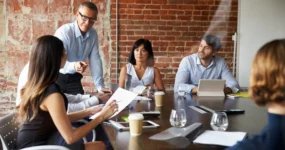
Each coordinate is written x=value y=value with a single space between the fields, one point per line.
x=139 y=89
x=123 y=99
x=220 y=138
x=142 y=98
x=242 y=94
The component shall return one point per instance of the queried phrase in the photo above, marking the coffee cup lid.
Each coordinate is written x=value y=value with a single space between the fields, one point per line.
x=159 y=93
x=136 y=116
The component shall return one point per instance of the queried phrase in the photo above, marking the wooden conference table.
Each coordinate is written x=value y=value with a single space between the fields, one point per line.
x=252 y=121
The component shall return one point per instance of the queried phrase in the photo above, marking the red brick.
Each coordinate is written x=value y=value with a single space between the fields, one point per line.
x=17 y=60
x=127 y=1
x=151 y=17
x=168 y=17
x=166 y=38
x=37 y=6
x=158 y=1
x=176 y=60
x=157 y=22
x=62 y=6
x=169 y=7
x=143 y=1
x=21 y=33
x=40 y=28
x=153 y=6
x=164 y=60
x=13 y=6
x=137 y=11
x=185 y=7
x=165 y=28
x=162 y=65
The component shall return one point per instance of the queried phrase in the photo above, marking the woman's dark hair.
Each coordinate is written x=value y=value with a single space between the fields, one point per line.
x=147 y=46
x=212 y=41
x=44 y=65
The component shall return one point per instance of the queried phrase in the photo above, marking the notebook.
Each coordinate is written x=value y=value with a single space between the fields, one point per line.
x=211 y=88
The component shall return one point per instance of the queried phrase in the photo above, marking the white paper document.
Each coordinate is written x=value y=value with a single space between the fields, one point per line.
x=139 y=89
x=220 y=138
x=142 y=98
x=123 y=99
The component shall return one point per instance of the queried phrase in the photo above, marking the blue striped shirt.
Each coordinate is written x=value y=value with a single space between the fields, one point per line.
x=191 y=70
x=79 y=48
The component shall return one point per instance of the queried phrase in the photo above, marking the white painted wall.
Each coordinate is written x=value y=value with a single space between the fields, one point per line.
x=259 y=21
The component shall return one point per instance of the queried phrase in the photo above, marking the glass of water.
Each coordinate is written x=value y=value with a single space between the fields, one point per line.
x=178 y=118
x=181 y=90
x=219 y=121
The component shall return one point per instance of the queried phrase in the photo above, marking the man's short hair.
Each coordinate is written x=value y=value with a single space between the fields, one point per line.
x=212 y=41
x=89 y=5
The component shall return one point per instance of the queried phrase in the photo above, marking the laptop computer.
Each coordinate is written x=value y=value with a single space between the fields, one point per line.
x=211 y=88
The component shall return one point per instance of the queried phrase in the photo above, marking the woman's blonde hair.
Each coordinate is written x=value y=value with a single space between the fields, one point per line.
x=267 y=78
x=44 y=65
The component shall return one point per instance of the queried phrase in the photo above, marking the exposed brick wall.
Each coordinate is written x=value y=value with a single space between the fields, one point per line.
x=23 y=21
x=174 y=28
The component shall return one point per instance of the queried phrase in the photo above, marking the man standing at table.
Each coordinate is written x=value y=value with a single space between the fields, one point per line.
x=204 y=65
x=81 y=42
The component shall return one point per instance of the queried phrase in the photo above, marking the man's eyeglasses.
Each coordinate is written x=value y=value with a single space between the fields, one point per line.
x=85 y=18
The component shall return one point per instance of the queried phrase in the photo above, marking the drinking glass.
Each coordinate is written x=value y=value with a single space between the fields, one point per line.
x=178 y=118
x=219 y=121
x=181 y=91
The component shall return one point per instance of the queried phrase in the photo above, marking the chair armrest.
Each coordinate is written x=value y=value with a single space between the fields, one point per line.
x=46 y=147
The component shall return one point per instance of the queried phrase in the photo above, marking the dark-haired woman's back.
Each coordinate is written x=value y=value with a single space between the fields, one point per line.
x=39 y=130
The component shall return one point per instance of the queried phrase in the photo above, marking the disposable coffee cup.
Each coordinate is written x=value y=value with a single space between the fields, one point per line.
x=134 y=142
x=158 y=96
x=135 y=122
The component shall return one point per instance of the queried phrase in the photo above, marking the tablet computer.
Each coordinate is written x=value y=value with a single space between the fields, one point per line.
x=124 y=126
x=211 y=88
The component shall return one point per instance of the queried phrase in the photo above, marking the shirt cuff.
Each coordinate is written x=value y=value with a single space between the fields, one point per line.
x=71 y=67
x=99 y=88
x=234 y=89
x=85 y=96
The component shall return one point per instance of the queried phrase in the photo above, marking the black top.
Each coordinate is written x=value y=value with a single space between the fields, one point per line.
x=272 y=137
x=39 y=130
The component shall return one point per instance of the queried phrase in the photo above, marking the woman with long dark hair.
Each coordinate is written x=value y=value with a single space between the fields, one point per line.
x=43 y=106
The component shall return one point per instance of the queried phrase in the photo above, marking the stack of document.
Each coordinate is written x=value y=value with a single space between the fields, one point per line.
x=220 y=138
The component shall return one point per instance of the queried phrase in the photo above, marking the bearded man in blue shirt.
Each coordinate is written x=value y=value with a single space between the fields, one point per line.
x=204 y=64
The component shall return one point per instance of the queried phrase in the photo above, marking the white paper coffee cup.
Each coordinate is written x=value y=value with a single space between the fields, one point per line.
x=159 y=98
x=135 y=122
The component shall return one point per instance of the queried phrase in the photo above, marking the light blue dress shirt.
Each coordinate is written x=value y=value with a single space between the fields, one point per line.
x=191 y=70
x=79 y=48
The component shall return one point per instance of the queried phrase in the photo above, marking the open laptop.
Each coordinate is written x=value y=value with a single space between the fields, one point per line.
x=211 y=88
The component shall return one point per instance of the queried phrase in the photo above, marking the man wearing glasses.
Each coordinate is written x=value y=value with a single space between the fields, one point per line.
x=81 y=42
